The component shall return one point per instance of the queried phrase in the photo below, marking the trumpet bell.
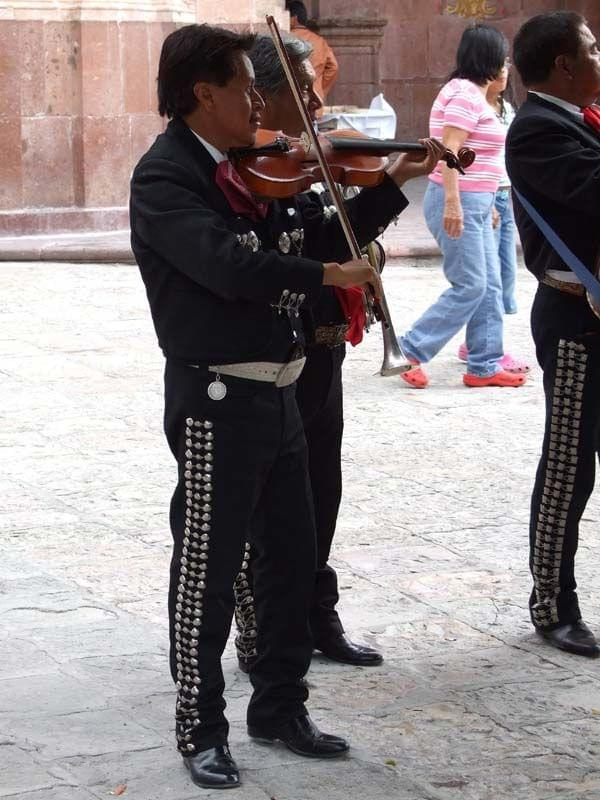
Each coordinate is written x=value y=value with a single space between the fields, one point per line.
x=394 y=359
x=394 y=363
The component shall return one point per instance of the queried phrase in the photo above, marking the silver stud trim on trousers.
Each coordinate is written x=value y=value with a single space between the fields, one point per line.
x=559 y=480
x=245 y=614
x=192 y=578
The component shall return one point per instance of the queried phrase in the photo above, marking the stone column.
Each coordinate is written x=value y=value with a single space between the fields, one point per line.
x=242 y=14
x=78 y=102
x=356 y=43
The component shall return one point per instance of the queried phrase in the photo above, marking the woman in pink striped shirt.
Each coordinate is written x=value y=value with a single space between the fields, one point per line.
x=458 y=212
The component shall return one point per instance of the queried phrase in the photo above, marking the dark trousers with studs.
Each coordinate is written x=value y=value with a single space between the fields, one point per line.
x=320 y=400
x=242 y=466
x=567 y=339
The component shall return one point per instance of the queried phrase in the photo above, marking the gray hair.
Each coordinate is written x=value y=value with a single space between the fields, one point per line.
x=270 y=76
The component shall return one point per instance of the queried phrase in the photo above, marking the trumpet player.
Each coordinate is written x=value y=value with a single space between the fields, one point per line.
x=338 y=317
x=553 y=159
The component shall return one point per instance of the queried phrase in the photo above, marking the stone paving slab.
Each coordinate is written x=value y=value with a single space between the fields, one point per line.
x=431 y=551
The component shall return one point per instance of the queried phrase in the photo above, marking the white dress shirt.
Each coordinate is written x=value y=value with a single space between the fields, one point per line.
x=216 y=154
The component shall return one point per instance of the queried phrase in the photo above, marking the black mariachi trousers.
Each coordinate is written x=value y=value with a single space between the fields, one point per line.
x=242 y=466
x=320 y=400
x=567 y=339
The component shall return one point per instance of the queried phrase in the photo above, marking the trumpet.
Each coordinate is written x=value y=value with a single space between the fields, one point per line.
x=394 y=359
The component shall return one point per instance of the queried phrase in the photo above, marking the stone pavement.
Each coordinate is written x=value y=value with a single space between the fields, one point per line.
x=408 y=237
x=431 y=551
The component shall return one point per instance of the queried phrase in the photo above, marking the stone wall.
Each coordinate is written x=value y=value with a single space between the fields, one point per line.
x=78 y=99
x=77 y=85
x=417 y=47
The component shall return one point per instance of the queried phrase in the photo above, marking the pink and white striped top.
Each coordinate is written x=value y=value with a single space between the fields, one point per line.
x=461 y=104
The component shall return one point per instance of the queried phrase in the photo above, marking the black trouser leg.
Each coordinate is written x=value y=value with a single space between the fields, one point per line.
x=226 y=452
x=319 y=397
x=567 y=337
x=283 y=575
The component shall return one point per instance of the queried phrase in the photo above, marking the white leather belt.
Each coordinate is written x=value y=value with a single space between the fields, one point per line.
x=269 y=371
x=566 y=276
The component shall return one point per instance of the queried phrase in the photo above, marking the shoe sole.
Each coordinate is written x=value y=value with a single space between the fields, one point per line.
x=264 y=740
x=516 y=383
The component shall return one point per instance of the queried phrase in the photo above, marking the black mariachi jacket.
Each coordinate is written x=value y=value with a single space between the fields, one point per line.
x=221 y=287
x=553 y=159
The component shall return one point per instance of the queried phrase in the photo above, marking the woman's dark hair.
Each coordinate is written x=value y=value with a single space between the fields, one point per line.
x=298 y=9
x=542 y=39
x=481 y=54
x=191 y=54
x=508 y=96
x=269 y=73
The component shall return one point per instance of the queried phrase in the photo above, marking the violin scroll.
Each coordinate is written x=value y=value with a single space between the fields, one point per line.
x=461 y=160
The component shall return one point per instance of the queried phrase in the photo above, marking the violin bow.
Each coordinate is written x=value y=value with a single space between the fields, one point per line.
x=314 y=140
x=333 y=188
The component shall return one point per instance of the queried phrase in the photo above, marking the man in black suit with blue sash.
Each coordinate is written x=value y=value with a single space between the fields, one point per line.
x=553 y=159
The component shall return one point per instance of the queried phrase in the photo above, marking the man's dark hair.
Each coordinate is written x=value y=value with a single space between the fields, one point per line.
x=196 y=53
x=542 y=39
x=481 y=54
x=298 y=9
x=270 y=76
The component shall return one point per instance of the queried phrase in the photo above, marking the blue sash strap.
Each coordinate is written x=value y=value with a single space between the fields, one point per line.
x=591 y=283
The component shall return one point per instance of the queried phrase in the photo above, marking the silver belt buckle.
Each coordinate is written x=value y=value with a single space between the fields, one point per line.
x=290 y=372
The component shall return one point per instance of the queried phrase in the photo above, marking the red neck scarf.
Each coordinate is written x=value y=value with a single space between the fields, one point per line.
x=591 y=115
x=239 y=197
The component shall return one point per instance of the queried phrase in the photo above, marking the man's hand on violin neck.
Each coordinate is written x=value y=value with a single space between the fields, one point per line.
x=352 y=273
x=415 y=164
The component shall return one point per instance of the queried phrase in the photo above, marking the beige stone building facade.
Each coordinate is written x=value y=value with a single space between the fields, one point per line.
x=77 y=84
x=78 y=99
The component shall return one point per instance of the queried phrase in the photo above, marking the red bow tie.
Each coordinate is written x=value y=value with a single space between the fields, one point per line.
x=239 y=197
x=591 y=114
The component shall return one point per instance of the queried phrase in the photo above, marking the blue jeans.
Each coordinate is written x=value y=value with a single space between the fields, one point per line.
x=474 y=298
x=507 y=249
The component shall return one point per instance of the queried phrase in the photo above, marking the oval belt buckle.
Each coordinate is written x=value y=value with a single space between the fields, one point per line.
x=217 y=389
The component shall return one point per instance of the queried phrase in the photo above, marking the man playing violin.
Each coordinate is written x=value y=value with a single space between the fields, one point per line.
x=553 y=159
x=319 y=388
x=229 y=304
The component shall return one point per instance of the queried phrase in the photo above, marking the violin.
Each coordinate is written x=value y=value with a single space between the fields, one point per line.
x=279 y=166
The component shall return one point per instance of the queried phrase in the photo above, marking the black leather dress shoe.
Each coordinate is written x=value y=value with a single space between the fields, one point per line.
x=213 y=768
x=338 y=647
x=574 y=637
x=301 y=736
